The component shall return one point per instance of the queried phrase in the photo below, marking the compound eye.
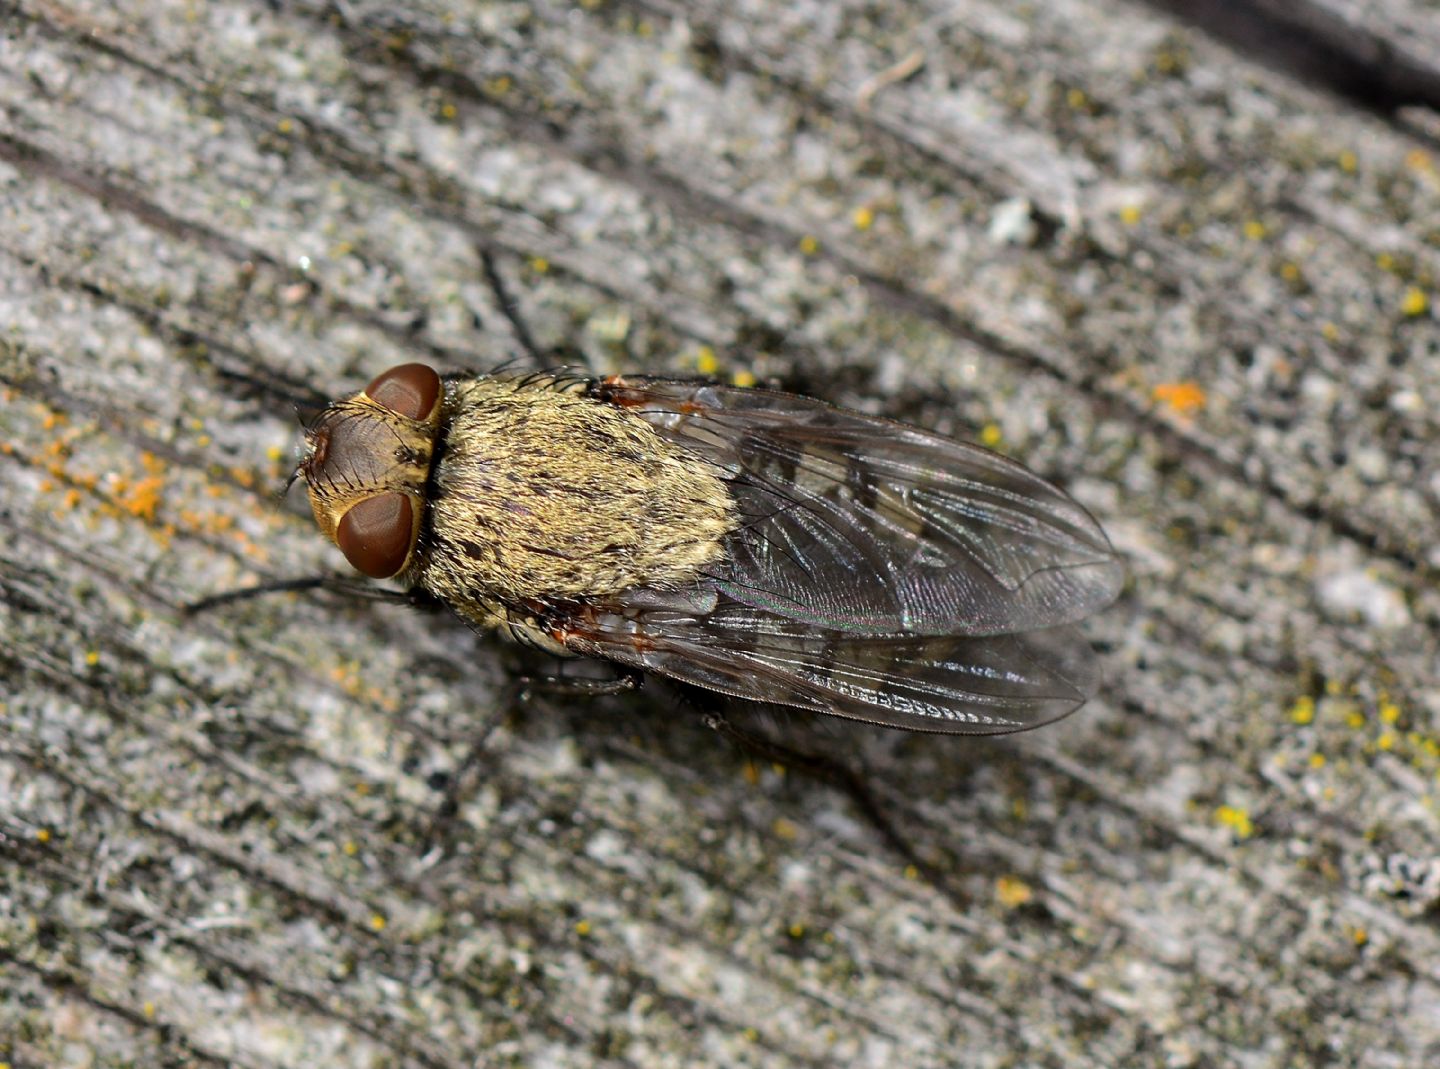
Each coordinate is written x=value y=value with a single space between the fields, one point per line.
x=376 y=534
x=410 y=389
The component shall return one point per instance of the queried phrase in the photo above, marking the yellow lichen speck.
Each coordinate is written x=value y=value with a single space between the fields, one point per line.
x=1237 y=819
x=1013 y=892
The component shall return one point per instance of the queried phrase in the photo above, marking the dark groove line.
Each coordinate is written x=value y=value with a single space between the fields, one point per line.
x=1317 y=46
x=362 y=949
x=67 y=983
x=389 y=1032
x=782 y=984
x=1073 y=771
x=40 y=162
x=184 y=338
x=94 y=792
x=719 y=879
x=95 y=694
x=424 y=891
x=179 y=934
x=112 y=420
x=870 y=125
x=712 y=877
x=836 y=1007
x=724 y=950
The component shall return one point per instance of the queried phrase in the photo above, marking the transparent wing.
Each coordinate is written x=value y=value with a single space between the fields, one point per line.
x=978 y=684
x=864 y=526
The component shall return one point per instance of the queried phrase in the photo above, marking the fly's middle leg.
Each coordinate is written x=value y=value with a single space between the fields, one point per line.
x=516 y=694
x=837 y=774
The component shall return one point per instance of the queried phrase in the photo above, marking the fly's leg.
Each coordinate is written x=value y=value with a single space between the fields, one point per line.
x=846 y=779
x=333 y=583
x=245 y=593
x=510 y=309
x=538 y=358
x=518 y=692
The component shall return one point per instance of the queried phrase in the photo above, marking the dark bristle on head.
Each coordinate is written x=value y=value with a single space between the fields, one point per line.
x=307 y=412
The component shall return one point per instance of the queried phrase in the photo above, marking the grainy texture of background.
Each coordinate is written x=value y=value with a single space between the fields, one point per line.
x=1170 y=268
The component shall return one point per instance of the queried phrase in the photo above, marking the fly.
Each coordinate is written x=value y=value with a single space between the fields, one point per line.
x=760 y=544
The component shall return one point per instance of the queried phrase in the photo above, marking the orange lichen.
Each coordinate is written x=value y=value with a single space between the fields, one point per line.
x=143 y=498
x=1183 y=398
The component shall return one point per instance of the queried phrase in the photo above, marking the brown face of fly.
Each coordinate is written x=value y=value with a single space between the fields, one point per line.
x=366 y=461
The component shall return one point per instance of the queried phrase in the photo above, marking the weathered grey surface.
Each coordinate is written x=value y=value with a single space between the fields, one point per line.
x=1222 y=339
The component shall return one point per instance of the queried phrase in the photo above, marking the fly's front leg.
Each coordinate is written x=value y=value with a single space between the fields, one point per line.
x=337 y=584
x=510 y=309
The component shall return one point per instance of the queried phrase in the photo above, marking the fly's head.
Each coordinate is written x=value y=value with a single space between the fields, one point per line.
x=365 y=462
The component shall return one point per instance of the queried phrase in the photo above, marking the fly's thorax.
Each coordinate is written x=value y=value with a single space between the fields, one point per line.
x=541 y=494
x=366 y=461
